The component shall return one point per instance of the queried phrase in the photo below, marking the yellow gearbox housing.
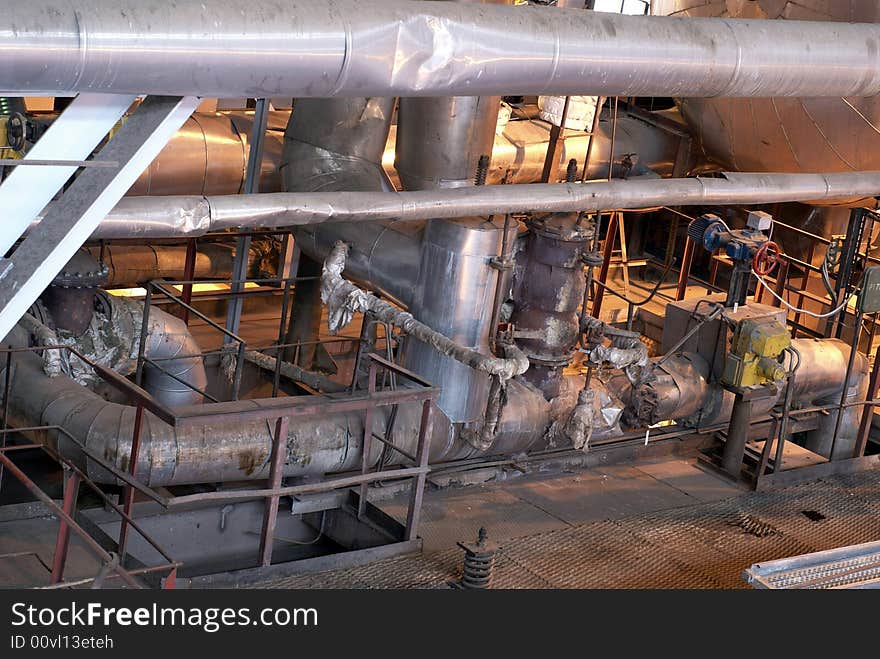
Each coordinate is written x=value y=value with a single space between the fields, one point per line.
x=753 y=359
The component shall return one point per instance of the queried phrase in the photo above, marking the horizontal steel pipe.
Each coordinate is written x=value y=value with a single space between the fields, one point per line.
x=168 y=217
x=300 y=48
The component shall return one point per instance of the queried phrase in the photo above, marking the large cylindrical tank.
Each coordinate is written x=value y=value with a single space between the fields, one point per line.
x=784 y=134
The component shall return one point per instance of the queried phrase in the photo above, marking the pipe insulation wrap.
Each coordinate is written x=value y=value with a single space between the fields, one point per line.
x=344 y=299
x=168 y=217
x=222 y=48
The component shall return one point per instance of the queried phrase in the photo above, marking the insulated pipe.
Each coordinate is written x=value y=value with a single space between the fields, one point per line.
x=820 y=380
x=132 y=265
x=442 y=143
x=681 y=391
x=400 y=48
x=216 y=452
x=343 y=299
x=167 y=217
x=337 y=144
x=170 y=344
x=238 y=451
x=439 y=141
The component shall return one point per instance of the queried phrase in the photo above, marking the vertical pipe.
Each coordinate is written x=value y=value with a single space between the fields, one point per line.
x=600 y=101
x=305 y=314
x=503 y=265
x=554 y=146
x=613 y=139
x=243 y=243
x=854 y=234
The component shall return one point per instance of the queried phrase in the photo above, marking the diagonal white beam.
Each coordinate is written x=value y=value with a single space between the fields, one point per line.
x=71 y=220
x=72 y=136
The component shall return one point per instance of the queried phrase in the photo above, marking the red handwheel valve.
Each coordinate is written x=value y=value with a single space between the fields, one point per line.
x=766 y=258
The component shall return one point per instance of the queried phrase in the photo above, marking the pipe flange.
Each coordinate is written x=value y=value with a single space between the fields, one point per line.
x=564 y=227
x=549 y=360
x=82 y=271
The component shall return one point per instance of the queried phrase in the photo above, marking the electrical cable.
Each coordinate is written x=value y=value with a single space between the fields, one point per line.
x=651 y=295
x=834 y=311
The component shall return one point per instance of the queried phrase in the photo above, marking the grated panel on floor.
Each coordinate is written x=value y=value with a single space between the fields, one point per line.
x=707 y=545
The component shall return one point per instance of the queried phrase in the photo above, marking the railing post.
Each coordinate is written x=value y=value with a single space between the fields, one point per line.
x=610 y=238
x=276 y=469
x=868 y=410
x=685 y=272
x=7 y=377
x=279 y=352
x=62 y=540
x=368 y=439
x=145 y=328
x=418 y=483
x=128 y=490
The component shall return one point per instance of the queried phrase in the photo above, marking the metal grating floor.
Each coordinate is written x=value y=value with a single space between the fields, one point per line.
x=701 y=545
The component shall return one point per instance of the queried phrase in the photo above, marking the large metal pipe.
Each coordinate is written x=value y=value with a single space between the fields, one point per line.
x=208 y=155
x=240 y=450
x=521 y=148
x=168 y=217
x=132 y=265
x=442 y=143
x=401 y=48
x=680 y=390
x=439 y=141
x=337 y=144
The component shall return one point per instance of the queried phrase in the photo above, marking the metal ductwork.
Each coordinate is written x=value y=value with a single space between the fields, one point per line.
x=208 y=155
x=439 y=141
x=337 y=144
x=401 y=48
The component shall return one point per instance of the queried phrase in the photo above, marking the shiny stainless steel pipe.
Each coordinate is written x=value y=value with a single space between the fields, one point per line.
x=300 y=48
x=169 y=217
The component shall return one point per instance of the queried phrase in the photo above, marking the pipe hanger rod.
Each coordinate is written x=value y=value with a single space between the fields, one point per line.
x=270 y=48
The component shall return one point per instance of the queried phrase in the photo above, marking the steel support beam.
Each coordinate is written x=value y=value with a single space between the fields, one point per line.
x=72 y=136
x=72 y=219
x=243 y=243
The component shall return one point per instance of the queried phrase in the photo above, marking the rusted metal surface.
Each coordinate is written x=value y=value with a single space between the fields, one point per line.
x=608 y=250
x=550 y=291
x=685 y=271
x=71 y=491
x=279 y=449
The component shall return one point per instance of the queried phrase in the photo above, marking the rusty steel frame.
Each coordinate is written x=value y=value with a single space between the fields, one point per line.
x=67 y=522
x=281 y=409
